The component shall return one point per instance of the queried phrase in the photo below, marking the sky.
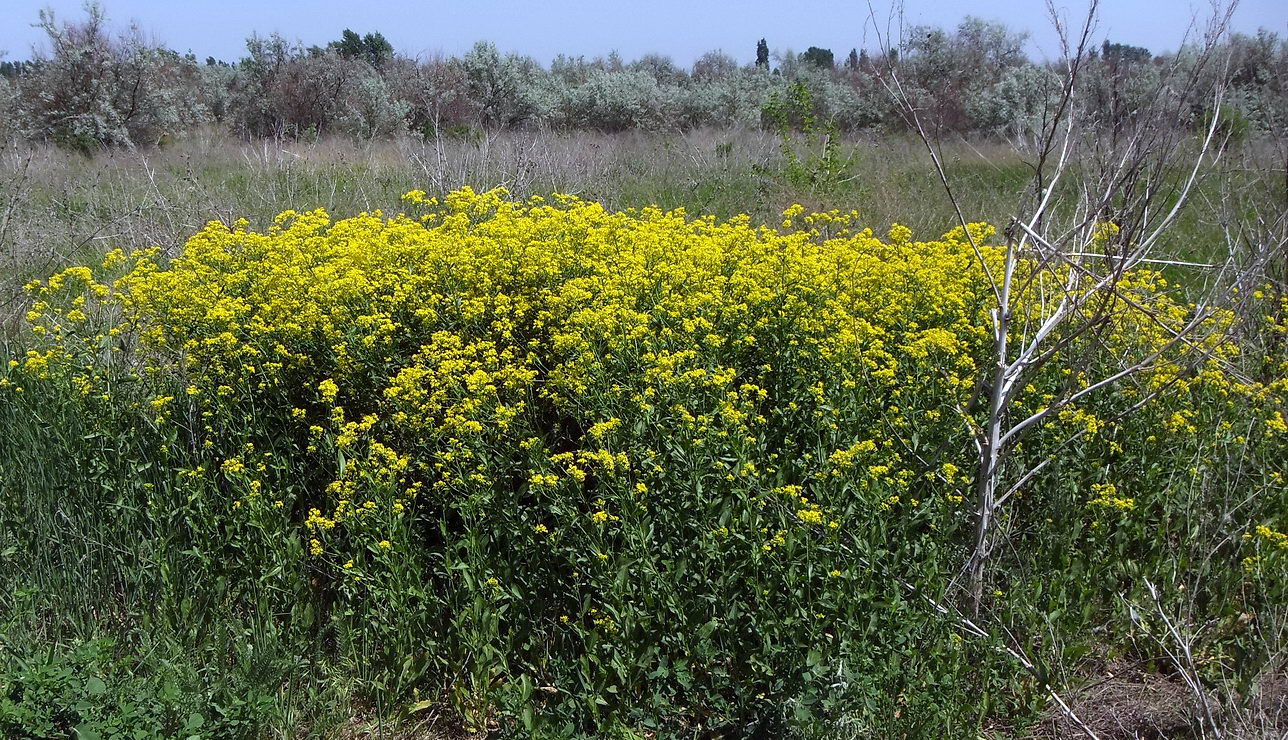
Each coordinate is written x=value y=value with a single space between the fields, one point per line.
x=682 y=29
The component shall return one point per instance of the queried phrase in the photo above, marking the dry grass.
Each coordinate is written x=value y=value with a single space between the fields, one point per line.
x=58 y=207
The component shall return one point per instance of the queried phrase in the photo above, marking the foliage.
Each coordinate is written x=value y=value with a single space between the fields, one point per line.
x=7 y=97
x=87 y=693
x=12 y=70
x=1232 y=125
x=821 y=58
x=733 y=102
x=372 y=48
x=812 y=158
x=713 y=66
x=949 y=68
x=853 y=104
x=1118 y=54
x=284 y=90
x=615 y=101
x=1019 y=103
x=576 y=471
x=94 y=90
x=496 y=85
x=373 y=111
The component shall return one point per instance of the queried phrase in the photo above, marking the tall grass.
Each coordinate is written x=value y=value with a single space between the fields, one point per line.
x=65 y=207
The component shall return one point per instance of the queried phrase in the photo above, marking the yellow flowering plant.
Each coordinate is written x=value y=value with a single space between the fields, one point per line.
x=683 y=471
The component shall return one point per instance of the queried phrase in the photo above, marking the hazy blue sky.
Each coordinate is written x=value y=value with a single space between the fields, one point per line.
x=681 y=28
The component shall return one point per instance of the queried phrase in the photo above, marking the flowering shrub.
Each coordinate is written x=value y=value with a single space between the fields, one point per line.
x=573 y=469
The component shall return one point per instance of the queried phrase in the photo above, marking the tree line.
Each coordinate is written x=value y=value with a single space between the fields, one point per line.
x=93 y=87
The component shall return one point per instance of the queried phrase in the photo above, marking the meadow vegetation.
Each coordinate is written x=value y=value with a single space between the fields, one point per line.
x=587 y=419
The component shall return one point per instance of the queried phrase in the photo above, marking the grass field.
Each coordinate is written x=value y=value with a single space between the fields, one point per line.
x=60 y=206
x=64 y=205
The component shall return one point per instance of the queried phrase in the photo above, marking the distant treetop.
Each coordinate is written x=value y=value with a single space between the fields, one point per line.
x=372 y=48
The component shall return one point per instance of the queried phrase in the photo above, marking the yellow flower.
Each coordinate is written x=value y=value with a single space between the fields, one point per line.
x=601 y=429
x=1104 y=496
x=329 y=390
x=1276 y=422
x=810 y=516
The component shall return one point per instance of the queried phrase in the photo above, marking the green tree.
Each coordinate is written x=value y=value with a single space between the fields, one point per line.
x=821 y=58
x=762 y=54
x=372 y=48
x=1116 y=54
x=377 y=49
x=350 y=45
